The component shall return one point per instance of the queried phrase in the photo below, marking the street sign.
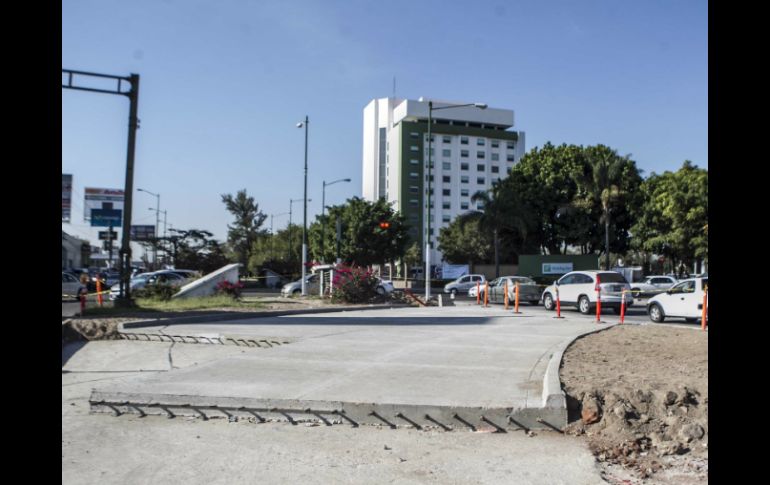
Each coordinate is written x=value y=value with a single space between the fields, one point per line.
x=105 y=235
x=142 y=233
x=106 y=217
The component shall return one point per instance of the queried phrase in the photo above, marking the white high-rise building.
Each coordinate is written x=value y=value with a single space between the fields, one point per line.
x=472 y=148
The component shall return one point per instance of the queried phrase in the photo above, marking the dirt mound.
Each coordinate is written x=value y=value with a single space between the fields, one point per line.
x=640 y=396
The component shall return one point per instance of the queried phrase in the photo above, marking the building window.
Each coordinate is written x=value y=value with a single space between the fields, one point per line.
x=508 y=170
x=480 y=206
x=446 y=192
x=480 y=180
x=414 y=175
x=509 y=158
x=464 y=206
x=464 y=153
x=464 y=192
x=432 y=138
x=446 y=152
x=429 y=177
x=414 y=148
x=447 y=165
x=495 y=143
x=414 y=134
x=480 y=142
x=463 y=179
x=480 y=154
x=495 y=169
x=446 y=205
x=413 y=189
x=414 y=202
x=480 y=167
x=464 y=166
x=510 y=145
x=446 y=218
x=463 y=140
x=431 y=192
x=495 y=157
x=446 y=139
x=447 y=179
x=414 y=161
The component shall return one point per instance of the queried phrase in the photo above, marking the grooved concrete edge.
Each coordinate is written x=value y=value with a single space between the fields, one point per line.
x=553 y=396
x=247 y=315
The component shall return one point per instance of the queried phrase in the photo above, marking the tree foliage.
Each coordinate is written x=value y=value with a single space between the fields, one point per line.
x=246 y=229
x=463 y=241
x=195 y=249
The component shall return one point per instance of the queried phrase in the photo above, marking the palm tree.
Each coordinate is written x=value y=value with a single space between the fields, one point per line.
x=601 y=182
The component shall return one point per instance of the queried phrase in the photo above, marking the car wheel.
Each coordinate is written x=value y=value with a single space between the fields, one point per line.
x=296 y=292
x=548 y=303
x=380 y=290
x=656 y=313
x=584 y=305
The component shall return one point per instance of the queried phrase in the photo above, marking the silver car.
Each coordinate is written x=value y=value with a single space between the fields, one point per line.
x=464 y=283
x=652 y=285
x=528 y=290
x=295 y=287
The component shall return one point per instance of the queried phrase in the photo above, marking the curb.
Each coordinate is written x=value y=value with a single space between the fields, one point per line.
x=553 y=395
x=243 y=315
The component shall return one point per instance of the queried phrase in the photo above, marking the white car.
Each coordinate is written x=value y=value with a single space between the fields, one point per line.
x=464 y=283
x=69 y=286
x=473 y=292
x=578 y=289
x=683 y=300
x=385 y=287
x=652 y=285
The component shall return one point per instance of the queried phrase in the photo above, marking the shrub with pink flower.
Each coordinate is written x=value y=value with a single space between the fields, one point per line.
x=354 y=284
x=232 y=289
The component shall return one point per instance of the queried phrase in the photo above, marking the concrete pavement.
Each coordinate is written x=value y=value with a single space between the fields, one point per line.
x=460 y=367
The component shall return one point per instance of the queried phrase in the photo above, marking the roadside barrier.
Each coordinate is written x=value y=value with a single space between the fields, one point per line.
x=516 y=302
x=622 y=306
x=598 y=300
x=704 y=315
x=486 y=294
x=99 y=291
x=478 y=293
x=558 y=304
x=506 y=294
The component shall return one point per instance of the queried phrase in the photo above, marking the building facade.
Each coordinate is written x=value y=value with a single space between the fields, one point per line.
x=471 y=149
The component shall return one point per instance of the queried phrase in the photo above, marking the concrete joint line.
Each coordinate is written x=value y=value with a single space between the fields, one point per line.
x=202 y=340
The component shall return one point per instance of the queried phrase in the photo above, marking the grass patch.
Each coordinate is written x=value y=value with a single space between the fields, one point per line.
x=144 y=305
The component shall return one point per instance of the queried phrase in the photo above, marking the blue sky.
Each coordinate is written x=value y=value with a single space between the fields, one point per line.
x=223 y=84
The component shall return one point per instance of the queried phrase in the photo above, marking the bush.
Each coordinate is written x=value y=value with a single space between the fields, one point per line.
x=354 y=285
x=231 y=289
x=157 y=291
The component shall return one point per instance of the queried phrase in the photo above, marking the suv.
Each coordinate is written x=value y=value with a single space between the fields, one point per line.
x=464 y=283
x=683 y=300
x=578 y=289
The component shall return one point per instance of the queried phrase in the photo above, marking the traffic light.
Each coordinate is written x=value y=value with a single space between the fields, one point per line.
x=384 y=225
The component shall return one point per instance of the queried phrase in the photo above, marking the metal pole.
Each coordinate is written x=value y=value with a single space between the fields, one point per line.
x=323 y=221
x=157 y=228
x=304 y=217
x=125 y=250
x=428 y=196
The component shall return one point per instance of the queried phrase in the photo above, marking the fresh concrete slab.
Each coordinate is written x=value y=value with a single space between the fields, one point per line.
x=453 y=367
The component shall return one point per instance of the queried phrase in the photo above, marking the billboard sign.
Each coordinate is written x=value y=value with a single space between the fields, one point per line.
x=106 y=235
x=453 y=271
x=66 y=197
x=142 y=233
x=108 y=199
x=557 y=268
x=106 y=217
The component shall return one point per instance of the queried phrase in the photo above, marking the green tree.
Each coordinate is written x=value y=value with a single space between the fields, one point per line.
x=673 y=220
x=463 y=240
x=195 y=249
x=364 y=241
x=248 y=220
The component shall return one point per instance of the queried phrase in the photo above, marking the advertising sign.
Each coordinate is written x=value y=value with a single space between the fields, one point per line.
x=557 y=268
x=142 y=233
x=106 y=235
x=66 y=197
x=453 y=271
x=106 y=217
x=109 y=199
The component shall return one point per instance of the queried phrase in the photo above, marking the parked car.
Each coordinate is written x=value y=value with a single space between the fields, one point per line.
x=683 y=300
x=652 y=285
x=528 y=290
x=578 y=289
x=385 y=287
x=464 y=283
x=69 y=286
x=141 y=280
x=473 y=292
x=295 y=287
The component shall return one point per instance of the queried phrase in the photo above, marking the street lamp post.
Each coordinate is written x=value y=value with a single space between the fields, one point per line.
x=323 y=209
x=291 y=233
x=428 y=243
x=157 y=221
x=304 y=214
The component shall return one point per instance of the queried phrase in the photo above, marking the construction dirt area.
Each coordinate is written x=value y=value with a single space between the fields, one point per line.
x=639 y=395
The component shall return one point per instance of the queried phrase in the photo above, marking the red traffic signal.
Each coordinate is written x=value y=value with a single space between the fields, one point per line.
x=384 y=225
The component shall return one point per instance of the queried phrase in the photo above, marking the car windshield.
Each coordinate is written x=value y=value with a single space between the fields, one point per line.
x=611 y=277
x=524 y=281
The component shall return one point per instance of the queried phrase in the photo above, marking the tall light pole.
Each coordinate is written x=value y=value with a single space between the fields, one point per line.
x=304 y=215
x=323 y=209
x=291 y=233
x=428 y=243
x=157 y=221
x=157 y=214
x=272 y=257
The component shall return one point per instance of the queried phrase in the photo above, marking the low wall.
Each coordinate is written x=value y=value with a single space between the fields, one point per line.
x=206 y=286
